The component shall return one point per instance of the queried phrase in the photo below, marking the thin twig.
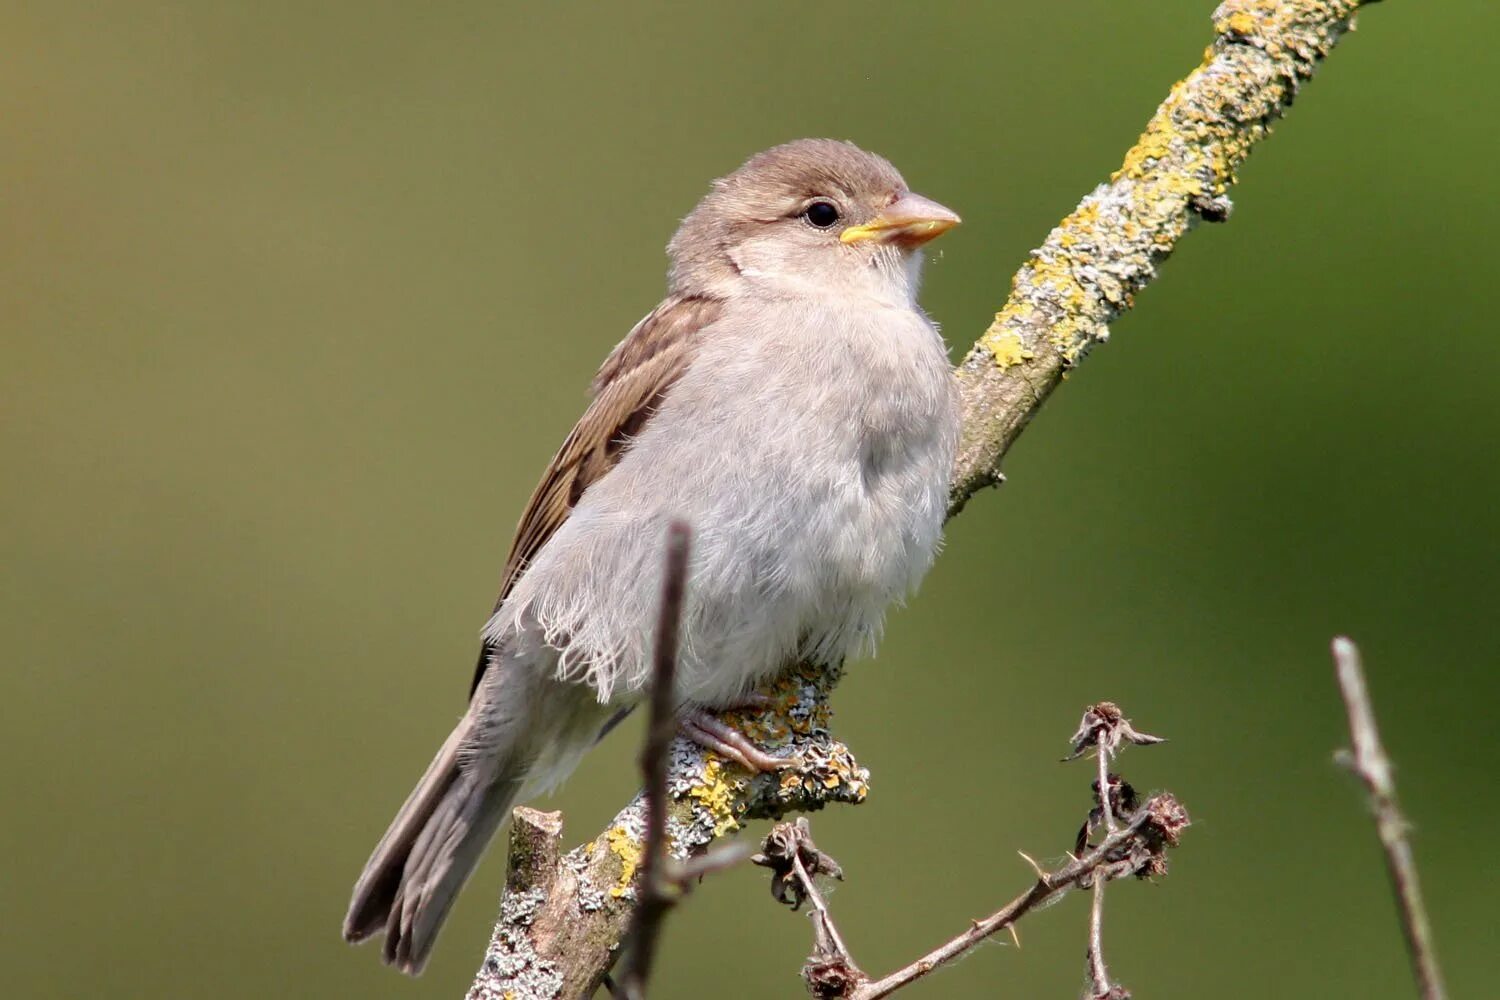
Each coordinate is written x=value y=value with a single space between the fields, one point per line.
x=1370 y=763
x=794 y=860
x=1098 y=972
x=661 y=727
x=1104 y=806
x=684 y=873
x=827 y=938
x=1105 y=729
x=1136 y=848
x=1153 y=828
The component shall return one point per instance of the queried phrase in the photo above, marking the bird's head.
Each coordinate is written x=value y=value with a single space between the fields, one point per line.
x=811 y=217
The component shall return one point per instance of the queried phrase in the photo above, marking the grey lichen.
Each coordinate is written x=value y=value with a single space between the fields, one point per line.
x=1092 y=265
x=512 y=968
x=571 y=913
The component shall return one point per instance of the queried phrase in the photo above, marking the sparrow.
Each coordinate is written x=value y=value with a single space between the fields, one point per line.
x=789 y=401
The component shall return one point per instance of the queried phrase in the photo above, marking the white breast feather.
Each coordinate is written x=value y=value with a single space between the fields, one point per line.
x=809 y=448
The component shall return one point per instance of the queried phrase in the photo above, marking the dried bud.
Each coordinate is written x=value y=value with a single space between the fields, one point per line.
x=786 y=844
x=1123 y=803
x=1154 y=827
x=1104 y=727
x=831 y=976
x=1167 y=821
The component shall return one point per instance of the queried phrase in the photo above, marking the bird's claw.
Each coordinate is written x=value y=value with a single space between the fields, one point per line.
x=713 y=733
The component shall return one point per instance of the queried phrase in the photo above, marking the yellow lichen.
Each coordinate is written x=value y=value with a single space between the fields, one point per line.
x=1006 y=346
x=625 y=847
x=1240 y=23
x=1189 y=150
x=716 y=795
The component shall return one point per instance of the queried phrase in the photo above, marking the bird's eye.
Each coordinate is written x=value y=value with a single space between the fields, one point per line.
x=822 y=214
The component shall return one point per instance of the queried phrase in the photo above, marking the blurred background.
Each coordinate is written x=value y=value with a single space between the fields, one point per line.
x=297 y=300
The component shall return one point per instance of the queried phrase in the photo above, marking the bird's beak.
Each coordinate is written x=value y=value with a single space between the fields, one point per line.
x=909 y=221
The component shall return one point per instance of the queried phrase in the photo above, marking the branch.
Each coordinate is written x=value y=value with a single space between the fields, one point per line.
x=1093 y=264
x=569 y=923
x=1369 y=762
x=560 y=927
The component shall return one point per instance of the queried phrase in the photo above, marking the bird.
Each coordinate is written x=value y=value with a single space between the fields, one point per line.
x=791 y=403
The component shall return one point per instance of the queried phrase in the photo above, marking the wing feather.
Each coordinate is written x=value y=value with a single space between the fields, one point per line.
x=628 y=389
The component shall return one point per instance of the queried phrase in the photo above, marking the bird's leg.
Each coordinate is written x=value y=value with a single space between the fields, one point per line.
x=713 y=733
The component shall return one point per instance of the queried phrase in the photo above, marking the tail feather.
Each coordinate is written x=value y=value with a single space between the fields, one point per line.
x=381 y=879
x=438 y=867
x=522 y=730
x=435 y=842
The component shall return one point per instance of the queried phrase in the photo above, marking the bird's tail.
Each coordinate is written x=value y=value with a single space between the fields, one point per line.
x=524 y=732
x=434 y=843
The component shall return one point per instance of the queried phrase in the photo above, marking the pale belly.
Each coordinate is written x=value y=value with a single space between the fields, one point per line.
x=815 y=484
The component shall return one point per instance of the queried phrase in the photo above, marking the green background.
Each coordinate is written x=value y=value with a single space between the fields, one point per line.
x=298 y=299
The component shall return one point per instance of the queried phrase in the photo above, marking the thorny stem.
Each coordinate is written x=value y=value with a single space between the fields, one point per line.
x=1369 y=762
x=1135 y=848
x=1046 y=887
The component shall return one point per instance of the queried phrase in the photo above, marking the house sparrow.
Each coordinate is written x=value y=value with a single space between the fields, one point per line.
x=789 y=401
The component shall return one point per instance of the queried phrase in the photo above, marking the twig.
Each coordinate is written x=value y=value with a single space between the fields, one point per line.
x=1369 y=762
x=1087 y=273
x=1133 y=848
x=1105 y=809
x=684 y=873
x=1098 y=976
x=794 y=859
x=1104 y=727
x=1137 y=848
x=1098 y=981
x=660 y=729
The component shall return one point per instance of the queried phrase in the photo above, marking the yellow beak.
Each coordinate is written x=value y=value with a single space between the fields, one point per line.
x=909 y=221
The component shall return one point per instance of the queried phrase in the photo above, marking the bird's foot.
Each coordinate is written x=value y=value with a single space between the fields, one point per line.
x=713 y=733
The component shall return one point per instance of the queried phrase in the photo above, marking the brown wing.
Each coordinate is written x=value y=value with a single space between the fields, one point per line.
x=627 y=390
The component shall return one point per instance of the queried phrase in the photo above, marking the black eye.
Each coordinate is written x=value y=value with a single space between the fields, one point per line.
x=822 y=214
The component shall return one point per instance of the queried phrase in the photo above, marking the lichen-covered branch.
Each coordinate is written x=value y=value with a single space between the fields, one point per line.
x=562 y=920
x=1094 y=263
x=559 y=931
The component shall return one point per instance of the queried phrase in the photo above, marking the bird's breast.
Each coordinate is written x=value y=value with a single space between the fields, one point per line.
x=857 y=425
